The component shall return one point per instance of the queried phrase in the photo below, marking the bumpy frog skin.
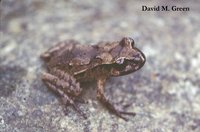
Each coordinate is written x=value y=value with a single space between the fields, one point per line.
x=70 y=63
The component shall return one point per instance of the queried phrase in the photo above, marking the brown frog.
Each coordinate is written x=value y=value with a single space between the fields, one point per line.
x=70 y=63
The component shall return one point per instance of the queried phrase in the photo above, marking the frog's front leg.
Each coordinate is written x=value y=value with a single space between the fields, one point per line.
x=105 y=101
x=65 y=85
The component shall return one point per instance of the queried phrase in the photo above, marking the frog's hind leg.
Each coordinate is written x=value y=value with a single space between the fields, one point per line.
x=64 y=81
x=65 y=85
x=66 y=99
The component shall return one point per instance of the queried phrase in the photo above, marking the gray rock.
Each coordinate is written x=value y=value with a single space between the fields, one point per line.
x=165 y=93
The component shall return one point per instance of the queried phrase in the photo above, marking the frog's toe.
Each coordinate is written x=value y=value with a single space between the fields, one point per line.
x=79 y=111
x=71 y=102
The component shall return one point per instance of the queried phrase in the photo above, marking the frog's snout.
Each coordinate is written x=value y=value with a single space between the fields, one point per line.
x=139 y=58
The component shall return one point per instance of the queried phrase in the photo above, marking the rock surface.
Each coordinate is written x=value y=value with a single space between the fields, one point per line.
x=165 y=93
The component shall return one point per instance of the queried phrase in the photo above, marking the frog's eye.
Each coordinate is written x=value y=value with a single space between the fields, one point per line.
x=127 y=42
x=132 y=43
x=120 y=60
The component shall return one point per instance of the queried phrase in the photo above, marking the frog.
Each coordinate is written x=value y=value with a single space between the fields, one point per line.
x=70 y=63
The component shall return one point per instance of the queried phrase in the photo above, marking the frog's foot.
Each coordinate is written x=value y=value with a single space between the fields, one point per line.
x=111 y=108
x=102 y=98
x=69 y=102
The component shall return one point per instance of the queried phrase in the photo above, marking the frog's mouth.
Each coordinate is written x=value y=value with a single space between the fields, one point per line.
x=128 y=66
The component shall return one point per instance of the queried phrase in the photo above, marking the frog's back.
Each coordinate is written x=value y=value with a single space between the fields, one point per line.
x=82 y=58
x=70 y=56
x=75 y=58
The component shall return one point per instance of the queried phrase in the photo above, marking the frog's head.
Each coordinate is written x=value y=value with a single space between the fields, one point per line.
x=129 y=58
